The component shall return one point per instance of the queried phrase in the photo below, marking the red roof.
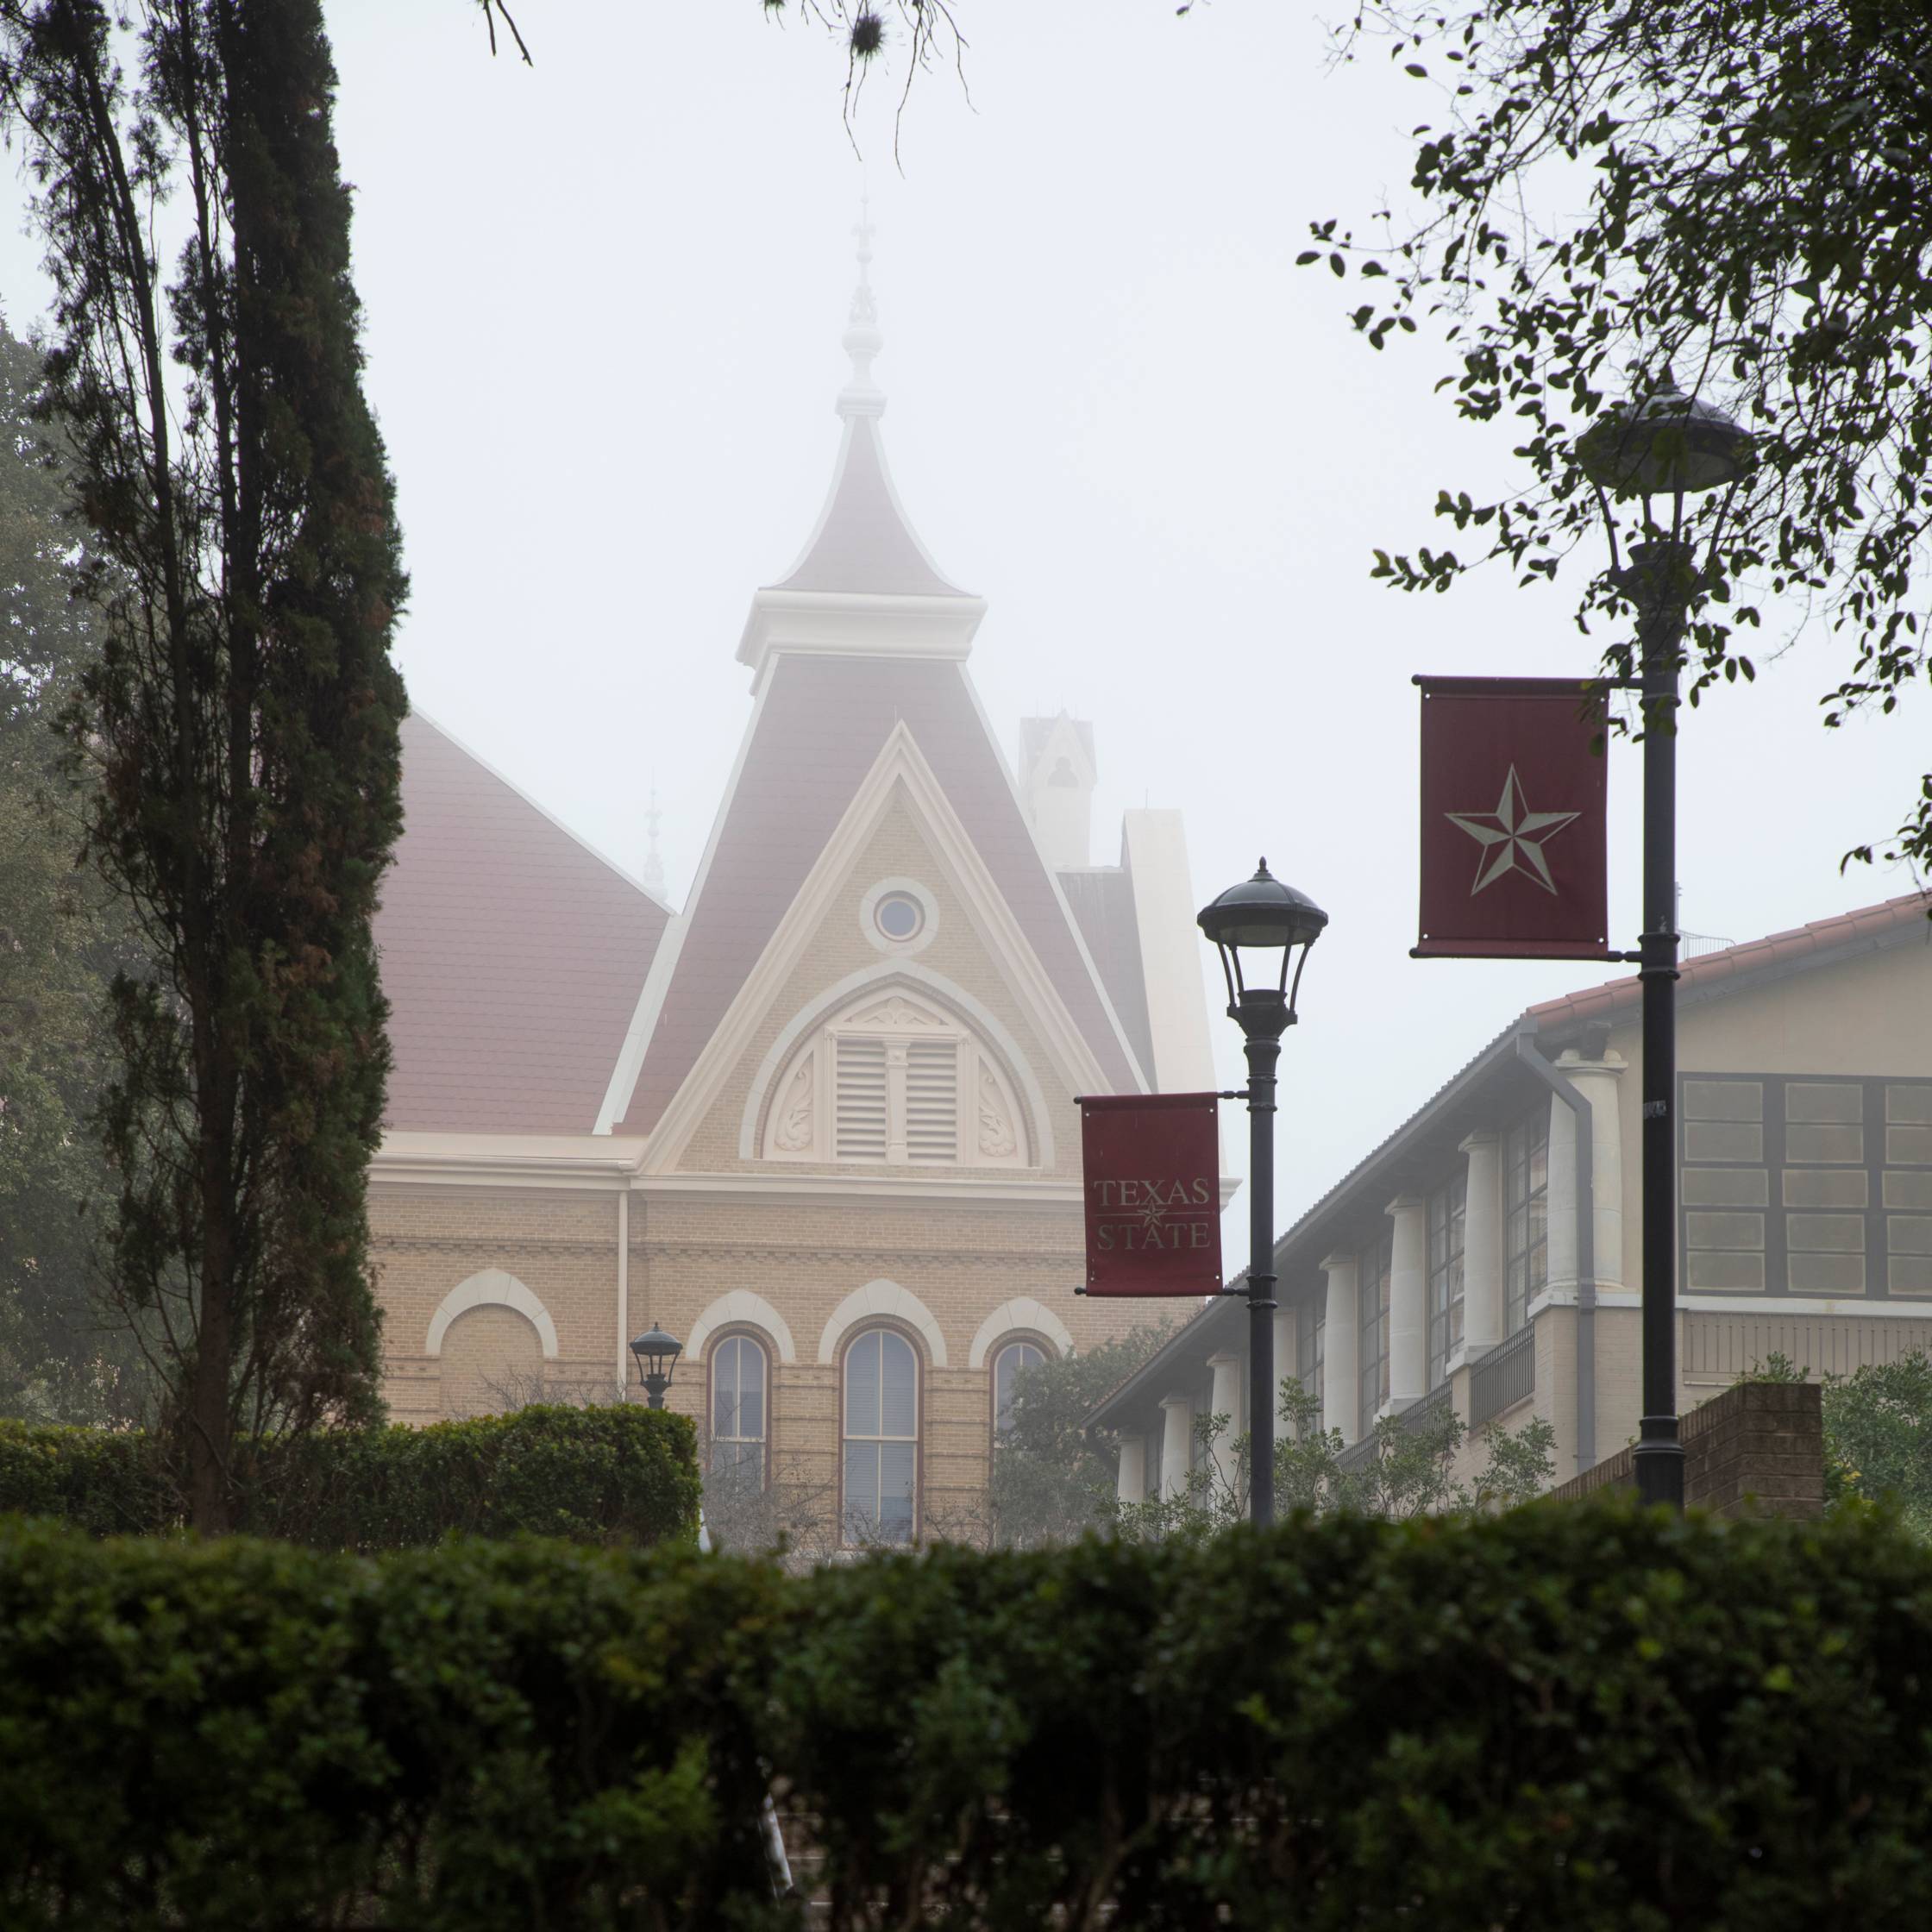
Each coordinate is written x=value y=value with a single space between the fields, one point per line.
x=1848 y=932
x=819 y=731
x=512 y=955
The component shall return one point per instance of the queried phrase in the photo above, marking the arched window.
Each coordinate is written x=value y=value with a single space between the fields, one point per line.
x=740 y=1377
x=1006 y=1364
x=881 y=1437
x=896 y=1080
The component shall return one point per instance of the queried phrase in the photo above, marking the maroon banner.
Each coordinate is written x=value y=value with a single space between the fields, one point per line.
x=1153 y=1171
x=1515 y=819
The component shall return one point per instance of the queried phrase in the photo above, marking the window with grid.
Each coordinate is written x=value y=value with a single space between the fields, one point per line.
x=1371 y=1306
x=1311 y=1348
x=1813 y=1186
x=1448 y=1215
x=738 y=1378
x=881 y=1437
x=895 y=1080
x=1007 y=1366
x=1526 y=1196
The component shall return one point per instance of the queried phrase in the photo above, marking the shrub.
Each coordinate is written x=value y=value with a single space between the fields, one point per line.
x=1584 y=1718
x=619 y=1473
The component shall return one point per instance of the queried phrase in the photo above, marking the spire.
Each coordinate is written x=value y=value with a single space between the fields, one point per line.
x=862 y=340
x=864 y=544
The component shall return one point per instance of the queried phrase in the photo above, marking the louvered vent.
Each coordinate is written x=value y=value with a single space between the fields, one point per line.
x=862 y=1108
x=932 y=1101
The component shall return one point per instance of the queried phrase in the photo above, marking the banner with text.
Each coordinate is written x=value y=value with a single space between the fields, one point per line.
x=1153 y=1165
x=1515 y=819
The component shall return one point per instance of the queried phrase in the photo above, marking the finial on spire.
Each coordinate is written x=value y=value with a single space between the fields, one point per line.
x=862 y=340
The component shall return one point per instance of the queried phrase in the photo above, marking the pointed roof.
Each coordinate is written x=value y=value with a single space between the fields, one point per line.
x=512 y=953
x=862 y=542
x=819 y=726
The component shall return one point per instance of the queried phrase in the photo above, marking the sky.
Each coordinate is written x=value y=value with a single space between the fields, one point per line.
x=603 y=296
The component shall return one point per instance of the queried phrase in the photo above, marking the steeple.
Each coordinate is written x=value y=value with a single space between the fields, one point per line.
x=864 y=543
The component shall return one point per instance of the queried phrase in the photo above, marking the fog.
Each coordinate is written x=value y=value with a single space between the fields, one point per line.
x=604 y=297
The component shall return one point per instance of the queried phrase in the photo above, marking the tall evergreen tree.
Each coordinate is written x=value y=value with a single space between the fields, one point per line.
x=244 y=709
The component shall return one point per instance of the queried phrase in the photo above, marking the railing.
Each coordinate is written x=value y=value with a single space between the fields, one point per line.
x=1430 y=1410
x=1504 y=1377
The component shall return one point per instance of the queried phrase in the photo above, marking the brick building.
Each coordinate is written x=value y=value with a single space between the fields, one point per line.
x=1486 y=1257
x=820 y=1124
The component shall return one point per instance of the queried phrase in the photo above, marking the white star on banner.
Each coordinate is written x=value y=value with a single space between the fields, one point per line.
x=1511 y=837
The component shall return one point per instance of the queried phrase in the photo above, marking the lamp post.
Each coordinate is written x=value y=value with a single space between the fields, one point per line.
x=1669 y=445
x=1262 y=915
x=657 y=1357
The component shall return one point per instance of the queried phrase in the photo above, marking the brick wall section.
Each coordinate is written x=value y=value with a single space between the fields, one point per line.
x=1757 y=1449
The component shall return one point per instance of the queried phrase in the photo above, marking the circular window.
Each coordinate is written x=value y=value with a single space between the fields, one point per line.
x=899 y=916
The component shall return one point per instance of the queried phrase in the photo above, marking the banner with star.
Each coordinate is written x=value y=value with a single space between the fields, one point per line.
x=1151 y=1168
x=1515 y=819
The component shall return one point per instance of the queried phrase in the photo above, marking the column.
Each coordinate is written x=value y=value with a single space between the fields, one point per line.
x=1409 y=1300
x=1563 y=1195
x=1177 y=1444
x=1131 y=1486
x=1339 y=1375
x=1227 y=1401
x=1598 y=1080
x=1483 y=1245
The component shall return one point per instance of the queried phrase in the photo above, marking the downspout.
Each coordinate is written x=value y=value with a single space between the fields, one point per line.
x=1586 y=1246
x=623 y=1289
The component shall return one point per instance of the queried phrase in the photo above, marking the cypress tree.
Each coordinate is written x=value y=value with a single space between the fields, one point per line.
x=243 y=713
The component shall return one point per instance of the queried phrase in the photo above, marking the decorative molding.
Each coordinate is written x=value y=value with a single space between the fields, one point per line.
x=855 y=624
x=890 y=1299
x=900 y=767
x=997 y=1136
x=868 y=923
x=741 y=1309
x=491 y=1288
x=1022 y=1312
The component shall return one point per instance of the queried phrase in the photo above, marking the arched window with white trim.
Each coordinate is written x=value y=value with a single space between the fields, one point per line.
x=894 y=1080
x=882 y=1438
x=740 y=1408
x=1011 y=1360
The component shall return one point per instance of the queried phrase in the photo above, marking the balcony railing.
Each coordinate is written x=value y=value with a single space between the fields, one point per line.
x=1431 y=1409
x=1504 y=1377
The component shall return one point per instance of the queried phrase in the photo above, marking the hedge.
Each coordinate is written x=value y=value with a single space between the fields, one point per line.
x=621 y=1473
x=1578 y=1718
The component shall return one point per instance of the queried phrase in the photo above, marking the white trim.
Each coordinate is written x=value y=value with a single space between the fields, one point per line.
x=855 y=624
x=868 y=917
x=1145 y=1075
x=741 y=1309
x=560 y=1161
x=623 y=1291
x=900 y=763
x=913 y=974
x=491 y=1288
x=1022 y=1312
x=1877 y=1308
x=576 y=838
x=657 y=981
x=877 y=1299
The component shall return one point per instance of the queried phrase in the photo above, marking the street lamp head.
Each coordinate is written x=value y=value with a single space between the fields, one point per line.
x=1262 y=915
x=1666 y=444
x=657 y=1355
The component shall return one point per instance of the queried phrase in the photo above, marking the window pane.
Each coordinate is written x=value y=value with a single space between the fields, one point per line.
x=751 y=1389
x=1812 y=1100
x=861 y=1484
x=861 y=1386
x=896 y=1463
x=1911 y=1106
x=900 y=1410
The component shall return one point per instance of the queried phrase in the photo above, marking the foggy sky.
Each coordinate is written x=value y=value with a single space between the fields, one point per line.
x=604 y=297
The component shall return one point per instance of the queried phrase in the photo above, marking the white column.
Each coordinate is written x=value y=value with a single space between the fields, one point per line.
x=1339 y=1371
x=1227 y=1401
x=1176 y=1429
x=1286 y=1362
x=623 y=1291
x=1409 y=1300
x=1131 y=1484
x=1563 y=1195
x=1483 y=1245
x=1598 y=1080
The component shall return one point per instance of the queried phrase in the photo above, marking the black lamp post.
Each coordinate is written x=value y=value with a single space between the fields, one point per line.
x=657 y=1356
x=1262 y=915
x=1669 y=446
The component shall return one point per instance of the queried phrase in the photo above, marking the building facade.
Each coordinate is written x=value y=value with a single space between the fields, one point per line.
x=1485 y=1258
x=819 y=1125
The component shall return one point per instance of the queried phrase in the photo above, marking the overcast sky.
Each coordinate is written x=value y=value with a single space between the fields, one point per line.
x=603 y=299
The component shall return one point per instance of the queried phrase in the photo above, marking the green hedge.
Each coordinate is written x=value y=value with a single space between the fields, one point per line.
x=1562 y=1718
x=622 y=1473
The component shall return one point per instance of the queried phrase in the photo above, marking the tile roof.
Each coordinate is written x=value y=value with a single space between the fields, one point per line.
x=819 y=733
x=512 y=953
